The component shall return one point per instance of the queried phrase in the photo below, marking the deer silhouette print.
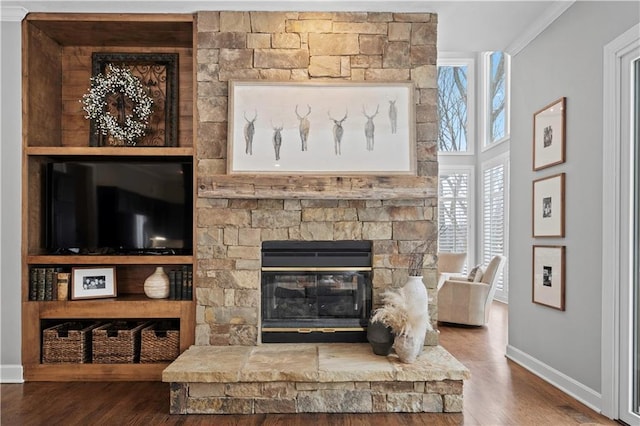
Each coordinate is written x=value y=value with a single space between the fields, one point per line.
x=277 y=139
x=338 y=131
x=393 y=116
x=304 y=127
x=249 y=131
x=369 y=127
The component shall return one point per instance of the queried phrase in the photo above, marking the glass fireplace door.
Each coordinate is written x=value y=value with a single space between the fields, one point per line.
x=315 y=300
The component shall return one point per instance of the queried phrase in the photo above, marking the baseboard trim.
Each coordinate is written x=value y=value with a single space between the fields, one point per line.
x=11 y=374
x=566 y=384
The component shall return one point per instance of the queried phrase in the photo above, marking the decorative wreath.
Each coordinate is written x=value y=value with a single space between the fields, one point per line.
x=118 y=80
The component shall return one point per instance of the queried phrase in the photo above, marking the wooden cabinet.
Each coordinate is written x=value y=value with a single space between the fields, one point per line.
x=57 y=67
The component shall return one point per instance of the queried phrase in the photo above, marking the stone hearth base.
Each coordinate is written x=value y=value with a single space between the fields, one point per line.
x=312 y=378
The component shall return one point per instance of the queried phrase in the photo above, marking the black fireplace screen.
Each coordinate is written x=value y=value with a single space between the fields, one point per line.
x=315 y=291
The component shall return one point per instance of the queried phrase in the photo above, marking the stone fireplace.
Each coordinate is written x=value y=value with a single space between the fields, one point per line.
x=228 y=371
x=236 y=214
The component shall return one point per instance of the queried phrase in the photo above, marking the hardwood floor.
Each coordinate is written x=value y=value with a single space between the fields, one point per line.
x=498 y=393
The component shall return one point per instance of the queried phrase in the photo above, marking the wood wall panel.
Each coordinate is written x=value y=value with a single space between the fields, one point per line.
x=76 y=74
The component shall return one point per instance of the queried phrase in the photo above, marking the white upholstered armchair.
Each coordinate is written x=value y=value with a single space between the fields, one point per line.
x=465 y=302
x=451 y=262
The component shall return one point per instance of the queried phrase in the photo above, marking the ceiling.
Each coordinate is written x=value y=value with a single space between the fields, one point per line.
x=464 y=26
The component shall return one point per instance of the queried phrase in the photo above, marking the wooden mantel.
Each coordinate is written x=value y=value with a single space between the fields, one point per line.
x=317 y=187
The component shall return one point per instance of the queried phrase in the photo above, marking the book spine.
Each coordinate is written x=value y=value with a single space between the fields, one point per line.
x=48 y=284
x=40 y=284
x=190 y=284
x=185 y=282
x=172 y=284
x=33 y=283
x=178 y=284
x=63 y=285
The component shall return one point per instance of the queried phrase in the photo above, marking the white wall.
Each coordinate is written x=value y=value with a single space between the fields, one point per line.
x=10 y=177
x=565 y=60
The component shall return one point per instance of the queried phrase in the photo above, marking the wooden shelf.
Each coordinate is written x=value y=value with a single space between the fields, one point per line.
x=108 y=260
x=109 y=151
x=316 y=187
x=130 y=306
x=93 y=372
x=57 y=67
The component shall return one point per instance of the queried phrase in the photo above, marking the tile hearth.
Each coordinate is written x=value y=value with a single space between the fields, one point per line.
x=321 y=377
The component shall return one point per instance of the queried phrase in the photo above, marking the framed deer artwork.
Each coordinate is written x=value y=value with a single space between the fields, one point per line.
x=333 y=128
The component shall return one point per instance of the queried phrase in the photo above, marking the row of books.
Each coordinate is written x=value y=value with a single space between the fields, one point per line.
x=181 y=283
x=48 y=283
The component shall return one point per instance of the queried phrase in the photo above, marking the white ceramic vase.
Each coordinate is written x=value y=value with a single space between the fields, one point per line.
x=409 y=346
x=156 y=286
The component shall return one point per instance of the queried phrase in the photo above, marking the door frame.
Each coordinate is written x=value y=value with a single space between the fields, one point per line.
x=614 y=216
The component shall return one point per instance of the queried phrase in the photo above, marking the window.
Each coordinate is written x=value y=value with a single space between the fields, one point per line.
x=494 y=215
x=497 y=97
x=455 y=106
x=455 y=205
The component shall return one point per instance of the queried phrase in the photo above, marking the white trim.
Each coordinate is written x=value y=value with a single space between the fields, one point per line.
x=12 y=13
x=552 y=13
x=456 y=60
x=611 y=218
x=566 y=384
x=11 y=374
x=191 y=6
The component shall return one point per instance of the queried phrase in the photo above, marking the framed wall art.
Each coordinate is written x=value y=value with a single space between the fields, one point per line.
x=549 y=135
x=158 y=74
x=549 y=276
x=548 y=206
x=93 y=283
x=321 y=128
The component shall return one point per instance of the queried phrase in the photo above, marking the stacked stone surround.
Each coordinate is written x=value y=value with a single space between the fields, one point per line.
x=293 y=46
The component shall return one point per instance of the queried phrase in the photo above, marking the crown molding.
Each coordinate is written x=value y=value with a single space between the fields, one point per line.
x=190 y=6
x=12 y=13
x=554 y=11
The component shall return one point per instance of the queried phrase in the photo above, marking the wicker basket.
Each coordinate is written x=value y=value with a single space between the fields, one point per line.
x=160 y=343
x=68 y=342
x=117 y=342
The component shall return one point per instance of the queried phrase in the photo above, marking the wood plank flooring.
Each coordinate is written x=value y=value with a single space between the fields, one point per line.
x=499 y=393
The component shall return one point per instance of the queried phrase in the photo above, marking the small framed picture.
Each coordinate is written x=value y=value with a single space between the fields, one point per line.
x=93 y=283
x=548 y=206
x=549 y=276
x=549 y=135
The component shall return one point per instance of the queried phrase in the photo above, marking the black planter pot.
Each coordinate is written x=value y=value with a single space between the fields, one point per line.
x=380 y=337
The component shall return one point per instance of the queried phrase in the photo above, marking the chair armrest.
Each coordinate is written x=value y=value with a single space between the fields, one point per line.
x=465 y=283
x=453 y=290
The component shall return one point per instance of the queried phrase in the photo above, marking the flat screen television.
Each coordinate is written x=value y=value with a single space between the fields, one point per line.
x=119 y=207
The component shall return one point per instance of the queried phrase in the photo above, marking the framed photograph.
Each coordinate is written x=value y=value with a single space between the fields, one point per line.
x=158 y=72
x=549 y=276
x=549 y=135
x=548 y=206
x=93 y=283
x=324 y=127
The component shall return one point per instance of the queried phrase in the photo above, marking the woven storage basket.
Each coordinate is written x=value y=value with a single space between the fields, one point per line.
x=67 y=342
x=117 y=342
x=160 y=343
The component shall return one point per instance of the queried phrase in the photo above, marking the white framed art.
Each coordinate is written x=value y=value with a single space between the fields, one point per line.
x=549 y=134
x=93 y=282
x=337 y=128
x=549 y=276
x=548 y=206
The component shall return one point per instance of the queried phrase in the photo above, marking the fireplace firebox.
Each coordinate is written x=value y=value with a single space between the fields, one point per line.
x=315 y=291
